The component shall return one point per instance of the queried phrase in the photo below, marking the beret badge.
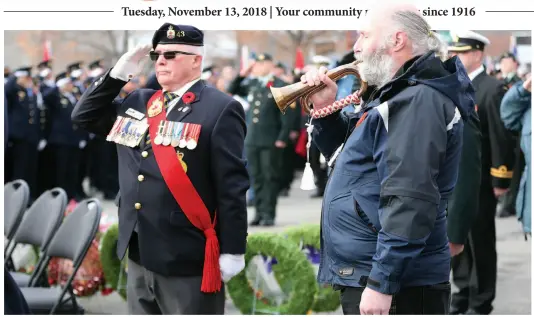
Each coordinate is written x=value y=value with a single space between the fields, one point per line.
x=170 y=33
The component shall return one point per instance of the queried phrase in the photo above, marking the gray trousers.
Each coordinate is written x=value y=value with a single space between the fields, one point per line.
x=153 y=294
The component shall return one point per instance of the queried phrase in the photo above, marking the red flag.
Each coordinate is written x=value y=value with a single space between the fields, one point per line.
x=47 y=51
x=299 y=60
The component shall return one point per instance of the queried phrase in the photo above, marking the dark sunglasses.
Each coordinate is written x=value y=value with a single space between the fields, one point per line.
x=167 y=55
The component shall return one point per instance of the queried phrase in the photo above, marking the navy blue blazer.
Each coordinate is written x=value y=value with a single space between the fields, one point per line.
x=168 y=243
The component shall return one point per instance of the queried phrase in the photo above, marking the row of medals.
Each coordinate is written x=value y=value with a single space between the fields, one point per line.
x=178 y=134
x=129 y=132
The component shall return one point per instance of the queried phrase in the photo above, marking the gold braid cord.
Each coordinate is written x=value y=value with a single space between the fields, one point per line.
x=338 y=105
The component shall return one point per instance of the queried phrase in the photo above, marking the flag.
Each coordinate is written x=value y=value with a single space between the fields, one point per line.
x=299 y=61
x=47 y=51
x=513 y=45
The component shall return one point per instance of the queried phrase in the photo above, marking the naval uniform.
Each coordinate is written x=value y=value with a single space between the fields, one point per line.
x=65 y=139
x=162 y=243
x=24 y=134
x=475 y=269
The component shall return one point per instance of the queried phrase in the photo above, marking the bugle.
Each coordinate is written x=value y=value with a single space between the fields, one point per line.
x=285 y=96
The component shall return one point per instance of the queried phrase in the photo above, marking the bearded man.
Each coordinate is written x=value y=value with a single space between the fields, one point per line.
x=384 y=231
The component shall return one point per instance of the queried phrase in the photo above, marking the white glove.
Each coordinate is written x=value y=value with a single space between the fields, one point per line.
x=42 y=145
x=82 y=144
x=231 y=265
x=128 y=65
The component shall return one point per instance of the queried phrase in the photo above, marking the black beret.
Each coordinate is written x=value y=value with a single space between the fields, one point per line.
x=178 y=34
x=264 y=57
x=508 y=55
x=280 y=65
x=45 y=64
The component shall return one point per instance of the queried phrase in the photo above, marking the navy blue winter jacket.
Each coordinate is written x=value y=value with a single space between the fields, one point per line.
x=384 y=208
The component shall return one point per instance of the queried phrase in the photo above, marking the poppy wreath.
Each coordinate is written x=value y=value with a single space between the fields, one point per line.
x=111 y=263
x=308 y=237
x=290 y=263
x=88 y=279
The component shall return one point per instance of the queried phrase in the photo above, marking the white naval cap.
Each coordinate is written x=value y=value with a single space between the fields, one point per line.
x=463 y=41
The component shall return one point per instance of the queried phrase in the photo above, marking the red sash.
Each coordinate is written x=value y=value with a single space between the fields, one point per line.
x=186 y=196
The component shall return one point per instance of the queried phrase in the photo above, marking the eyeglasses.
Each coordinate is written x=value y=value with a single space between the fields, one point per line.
x=167 y=55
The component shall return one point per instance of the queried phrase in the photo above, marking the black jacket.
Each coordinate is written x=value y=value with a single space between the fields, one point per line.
x=168 y=243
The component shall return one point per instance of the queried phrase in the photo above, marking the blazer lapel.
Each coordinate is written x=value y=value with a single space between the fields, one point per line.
x=181 y=109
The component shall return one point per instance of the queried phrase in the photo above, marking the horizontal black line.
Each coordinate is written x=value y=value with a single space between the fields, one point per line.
x=510 y=11
x=59 y=11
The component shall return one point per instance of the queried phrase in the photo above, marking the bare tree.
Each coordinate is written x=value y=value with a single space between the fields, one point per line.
x=110 y=44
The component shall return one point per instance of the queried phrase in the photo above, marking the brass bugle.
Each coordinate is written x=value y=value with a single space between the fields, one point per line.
x=285 y=96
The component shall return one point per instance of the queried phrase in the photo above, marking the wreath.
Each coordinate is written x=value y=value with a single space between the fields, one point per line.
x=291 y=263
x=113 y=271
x=89 y=277
x=309 y=238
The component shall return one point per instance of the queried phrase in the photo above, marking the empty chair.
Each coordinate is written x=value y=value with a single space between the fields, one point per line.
x=16 y=197
x=38 y=226
x=71 y=241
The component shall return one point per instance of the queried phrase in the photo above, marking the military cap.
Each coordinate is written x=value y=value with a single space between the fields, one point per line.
x=508 y=55
x=23 y=71
x=74 y=66
x=463 y=41
x=7 y=72
x=264 y=57
x=280 y=65
x=62 y=79
x=45 y=64
x=95 y=64
x=178 y=34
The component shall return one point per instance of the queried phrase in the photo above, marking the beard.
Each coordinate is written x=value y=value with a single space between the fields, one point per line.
x=376 y=67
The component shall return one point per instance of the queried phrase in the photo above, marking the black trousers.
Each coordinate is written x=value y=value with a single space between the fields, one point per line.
x=67 y=169
x=265 y=165
x=417 y=300
x=475 y=269
x=21 y=162
x=320 y=173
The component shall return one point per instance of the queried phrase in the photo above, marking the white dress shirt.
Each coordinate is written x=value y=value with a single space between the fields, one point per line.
x=476 y=72
x=180 y=92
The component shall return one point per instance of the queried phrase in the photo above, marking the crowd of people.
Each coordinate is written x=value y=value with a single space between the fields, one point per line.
x=401 y=181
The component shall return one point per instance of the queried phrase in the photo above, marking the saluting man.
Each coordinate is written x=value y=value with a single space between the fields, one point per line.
x=182 y=175
x=475 y=269
x=268 y=137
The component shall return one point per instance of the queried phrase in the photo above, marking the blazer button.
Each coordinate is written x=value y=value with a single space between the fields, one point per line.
x=140 y=178
x=255 y=120
x=137 y=206
x=30 y=121
x=144 y=154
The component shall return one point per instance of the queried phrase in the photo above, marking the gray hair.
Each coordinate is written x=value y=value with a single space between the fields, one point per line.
x=418 y=30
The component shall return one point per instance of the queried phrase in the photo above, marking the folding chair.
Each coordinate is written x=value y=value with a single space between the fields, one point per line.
x=16 y=197
x=38 y=226
x=72 y=242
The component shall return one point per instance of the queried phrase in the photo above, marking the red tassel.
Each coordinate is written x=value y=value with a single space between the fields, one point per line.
x=211 y=278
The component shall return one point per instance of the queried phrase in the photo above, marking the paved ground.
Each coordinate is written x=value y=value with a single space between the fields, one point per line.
x=514 y=257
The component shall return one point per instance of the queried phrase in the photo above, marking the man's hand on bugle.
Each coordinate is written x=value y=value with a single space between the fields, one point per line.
x=324 y=97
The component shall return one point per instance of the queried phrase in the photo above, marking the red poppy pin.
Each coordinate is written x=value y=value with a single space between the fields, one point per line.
x=188 y=97
x=269 y=84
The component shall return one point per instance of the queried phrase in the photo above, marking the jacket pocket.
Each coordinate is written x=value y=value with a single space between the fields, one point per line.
x=364 y=217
